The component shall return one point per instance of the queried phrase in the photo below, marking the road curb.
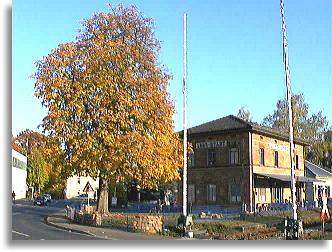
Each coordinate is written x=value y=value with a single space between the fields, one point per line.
x=47 y=222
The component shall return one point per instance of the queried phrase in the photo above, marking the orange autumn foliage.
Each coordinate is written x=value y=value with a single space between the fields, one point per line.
x=107 y=100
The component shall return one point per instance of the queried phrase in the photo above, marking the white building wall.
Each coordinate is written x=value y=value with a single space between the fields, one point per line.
x=19 y=174
x=76 y=184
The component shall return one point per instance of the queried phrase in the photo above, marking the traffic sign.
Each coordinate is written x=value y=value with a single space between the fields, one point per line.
x=88 y=188
x=325 y=215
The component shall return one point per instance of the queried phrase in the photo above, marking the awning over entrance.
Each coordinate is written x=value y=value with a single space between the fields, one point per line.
x=283 y=177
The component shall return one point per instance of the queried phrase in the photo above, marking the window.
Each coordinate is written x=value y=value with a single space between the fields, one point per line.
x=276 y=159
x=191 y=193
x=297 y=162
x=211 y=192
x=261 y=156
x=191 y=159
x=211 y=157
x=235 y=193
x=234 y=156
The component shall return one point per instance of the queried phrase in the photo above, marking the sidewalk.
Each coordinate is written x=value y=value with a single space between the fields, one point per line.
x=104 y=233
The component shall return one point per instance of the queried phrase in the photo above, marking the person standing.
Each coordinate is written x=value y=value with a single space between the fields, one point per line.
x=13 y=196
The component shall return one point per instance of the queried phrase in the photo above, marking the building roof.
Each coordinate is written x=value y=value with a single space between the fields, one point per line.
x=316 y=170
x=233 y=123
x=225 y=123
x=284 y=177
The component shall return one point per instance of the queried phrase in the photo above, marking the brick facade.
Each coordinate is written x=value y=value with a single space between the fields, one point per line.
x=225 y=167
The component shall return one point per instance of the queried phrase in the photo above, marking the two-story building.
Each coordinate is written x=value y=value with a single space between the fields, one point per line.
x=75 y=185
x=19 y=174
x=234 y=162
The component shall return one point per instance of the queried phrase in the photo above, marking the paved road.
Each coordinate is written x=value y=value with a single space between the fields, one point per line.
x=28 y=223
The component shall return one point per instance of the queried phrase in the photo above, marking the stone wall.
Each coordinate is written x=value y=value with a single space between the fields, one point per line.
x=88 y=209
x=87 y=219
x=148 y=223
x=141 y=222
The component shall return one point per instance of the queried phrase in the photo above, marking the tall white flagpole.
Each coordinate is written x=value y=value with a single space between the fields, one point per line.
x=184 y=91
x=290 y=113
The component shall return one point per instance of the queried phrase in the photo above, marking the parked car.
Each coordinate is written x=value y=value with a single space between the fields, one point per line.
x=40 y=201
x=83 y=196
x=47 y=197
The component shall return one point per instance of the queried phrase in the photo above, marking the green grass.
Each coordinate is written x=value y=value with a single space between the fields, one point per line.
x=309 y=218
x=121 y=221
x=222 y=226
x=326 y=236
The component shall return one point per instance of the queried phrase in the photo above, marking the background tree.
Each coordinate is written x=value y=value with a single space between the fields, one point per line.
x=326 y=150
x=244 y=114
x=37 y=146
x=56 y=168
x=108 y=104
x=307 y=127
x=37 y=175
x=15 y=146
x=28 y=140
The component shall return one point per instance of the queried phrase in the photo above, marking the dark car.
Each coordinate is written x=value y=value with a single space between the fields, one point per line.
x=47 y=197
x=40 y=201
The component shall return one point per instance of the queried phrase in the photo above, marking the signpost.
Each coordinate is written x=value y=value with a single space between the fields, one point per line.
x=324 y=214
x=87 y=189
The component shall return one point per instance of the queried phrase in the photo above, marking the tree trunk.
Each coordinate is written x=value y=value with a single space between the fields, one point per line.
x=102 y=201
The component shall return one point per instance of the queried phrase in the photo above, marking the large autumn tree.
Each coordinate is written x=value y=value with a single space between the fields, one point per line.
x=108 y=104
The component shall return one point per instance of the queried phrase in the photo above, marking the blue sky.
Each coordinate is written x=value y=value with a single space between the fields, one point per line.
x=234 y=53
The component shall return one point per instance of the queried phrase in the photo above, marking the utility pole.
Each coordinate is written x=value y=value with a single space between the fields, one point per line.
x=293 y=227
x=290 y=113
x=185 y=219
x=184 y=91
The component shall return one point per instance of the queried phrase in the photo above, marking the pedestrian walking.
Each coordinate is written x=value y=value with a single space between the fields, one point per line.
x=13 y=196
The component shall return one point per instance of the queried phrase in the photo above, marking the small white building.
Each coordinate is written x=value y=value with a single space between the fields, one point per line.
x=323 y=185
x=19 y=174
x=76 y=184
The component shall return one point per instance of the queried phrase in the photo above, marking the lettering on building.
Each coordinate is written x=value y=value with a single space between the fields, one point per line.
x=278 y=147
x=211 y=144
